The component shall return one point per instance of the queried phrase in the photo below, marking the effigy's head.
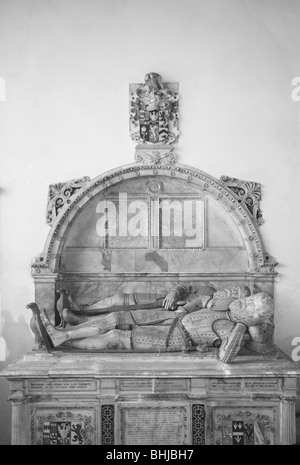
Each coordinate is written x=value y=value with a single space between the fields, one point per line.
x=232 y=292
x=252 y=310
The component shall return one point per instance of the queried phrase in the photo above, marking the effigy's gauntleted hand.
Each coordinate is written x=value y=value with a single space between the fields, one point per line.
x=171 y=299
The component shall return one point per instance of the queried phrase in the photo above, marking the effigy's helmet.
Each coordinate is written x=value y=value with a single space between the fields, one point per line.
x=261 y=338
x=252 y=310
x=154 y=82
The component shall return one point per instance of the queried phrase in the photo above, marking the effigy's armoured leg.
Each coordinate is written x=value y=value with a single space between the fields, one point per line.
x=96 y=326
x=115 y=300
x=232 y=344
x=115 y=339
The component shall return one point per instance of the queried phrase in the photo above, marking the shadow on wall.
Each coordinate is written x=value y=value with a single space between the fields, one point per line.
x=19 y=340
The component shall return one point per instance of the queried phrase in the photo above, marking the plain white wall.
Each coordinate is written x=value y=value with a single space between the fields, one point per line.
x=67 y=66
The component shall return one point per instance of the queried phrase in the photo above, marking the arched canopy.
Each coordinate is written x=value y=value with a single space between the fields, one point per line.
x=228 y=239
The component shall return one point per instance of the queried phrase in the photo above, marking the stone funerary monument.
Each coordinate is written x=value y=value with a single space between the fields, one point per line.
x=154 y=305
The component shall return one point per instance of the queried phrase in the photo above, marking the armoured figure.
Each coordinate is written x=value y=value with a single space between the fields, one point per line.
x=184 y=319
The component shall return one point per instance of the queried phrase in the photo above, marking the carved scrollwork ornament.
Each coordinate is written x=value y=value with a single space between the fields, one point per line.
x=247 y=192
x=160 y=156
x=61 y=194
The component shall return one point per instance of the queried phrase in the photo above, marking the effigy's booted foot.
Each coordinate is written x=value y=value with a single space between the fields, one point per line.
x=74 y=306
x=72 y=318
x=232 y=344
x=57 y=336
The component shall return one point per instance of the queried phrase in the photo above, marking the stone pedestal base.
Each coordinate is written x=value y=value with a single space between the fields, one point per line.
x=153 y=399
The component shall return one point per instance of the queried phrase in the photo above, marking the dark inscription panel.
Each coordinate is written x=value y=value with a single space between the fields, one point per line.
x=154 y=425
x=247 y=384
x=257 y=384
x=154 y=385
x=62 y=385
x=225 y=384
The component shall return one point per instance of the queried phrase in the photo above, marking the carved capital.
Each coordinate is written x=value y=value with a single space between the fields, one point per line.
x=19 y=431
x=61 y=194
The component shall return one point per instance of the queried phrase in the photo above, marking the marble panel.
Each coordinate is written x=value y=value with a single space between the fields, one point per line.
x=181 y=222
x=127 y=221
x=83 y=231
x=62 y=385
x=101 y=260
x=155 y=423
x=240 y=424
x=165 y=385
x=208 y=261
x=45 y=296
x=221 y=229
x=122 y=261
x=152 y=261
x=85 y=261
x=64 y=425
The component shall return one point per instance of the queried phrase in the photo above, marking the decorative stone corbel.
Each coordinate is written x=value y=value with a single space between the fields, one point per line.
x=40 y=261
x=269 y=262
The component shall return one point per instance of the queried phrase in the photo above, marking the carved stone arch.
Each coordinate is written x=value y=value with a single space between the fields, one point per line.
x=230 y=199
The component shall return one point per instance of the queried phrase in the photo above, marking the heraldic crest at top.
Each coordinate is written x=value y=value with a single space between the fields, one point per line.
x=154 y=115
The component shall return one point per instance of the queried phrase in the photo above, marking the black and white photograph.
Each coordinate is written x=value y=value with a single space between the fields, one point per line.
x=149 y=225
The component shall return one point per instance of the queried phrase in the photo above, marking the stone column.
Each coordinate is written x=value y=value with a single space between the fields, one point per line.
x=19 y=427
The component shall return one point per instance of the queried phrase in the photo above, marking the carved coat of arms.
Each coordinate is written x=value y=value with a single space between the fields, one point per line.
x=154 y=111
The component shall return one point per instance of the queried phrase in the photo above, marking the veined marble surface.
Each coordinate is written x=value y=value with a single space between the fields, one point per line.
x=128 y=364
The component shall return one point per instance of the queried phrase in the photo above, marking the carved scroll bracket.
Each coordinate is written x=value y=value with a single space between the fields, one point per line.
x=269 y=262
x=247 y=192
x=61 y=194
x=40 y=261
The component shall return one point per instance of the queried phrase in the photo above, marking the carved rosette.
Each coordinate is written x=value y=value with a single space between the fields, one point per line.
x=247 y=192
x=61 y=194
